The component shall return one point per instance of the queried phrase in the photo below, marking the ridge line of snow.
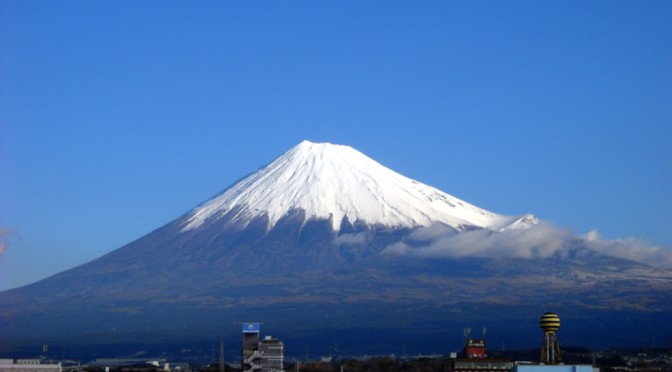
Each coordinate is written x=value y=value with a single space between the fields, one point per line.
x=335 y=181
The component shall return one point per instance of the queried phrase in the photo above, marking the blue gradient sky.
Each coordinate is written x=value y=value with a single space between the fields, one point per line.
x=117 y=117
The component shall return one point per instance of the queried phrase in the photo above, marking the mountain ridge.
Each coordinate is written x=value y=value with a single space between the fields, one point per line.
x=302 y=275
x=334 y=182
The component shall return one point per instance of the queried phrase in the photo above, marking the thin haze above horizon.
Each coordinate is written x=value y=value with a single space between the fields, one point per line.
x=116 y=118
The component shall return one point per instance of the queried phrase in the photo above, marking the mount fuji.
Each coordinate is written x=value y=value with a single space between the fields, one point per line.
x=325 y=245
x=340 y=184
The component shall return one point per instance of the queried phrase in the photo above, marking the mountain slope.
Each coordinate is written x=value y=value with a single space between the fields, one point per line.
x=335 y=182
x=300 y=245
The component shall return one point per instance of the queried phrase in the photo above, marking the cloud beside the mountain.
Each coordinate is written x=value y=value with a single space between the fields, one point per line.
x=634 y=249
x=540 y=241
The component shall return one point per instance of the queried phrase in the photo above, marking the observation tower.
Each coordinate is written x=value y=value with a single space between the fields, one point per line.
x=550 y=349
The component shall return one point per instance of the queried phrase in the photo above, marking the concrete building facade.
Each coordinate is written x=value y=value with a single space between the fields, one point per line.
x=272 y=355
x=28 y=365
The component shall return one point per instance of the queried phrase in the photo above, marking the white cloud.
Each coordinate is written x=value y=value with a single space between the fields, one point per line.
x=539 y=241
x=634 y=249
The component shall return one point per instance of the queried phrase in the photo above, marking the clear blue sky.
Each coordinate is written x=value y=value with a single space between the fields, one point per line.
x=117 y=117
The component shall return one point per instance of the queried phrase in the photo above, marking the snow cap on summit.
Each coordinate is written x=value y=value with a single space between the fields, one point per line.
x=331 y=182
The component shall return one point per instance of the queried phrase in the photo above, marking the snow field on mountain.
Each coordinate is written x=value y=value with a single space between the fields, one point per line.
x=333 y=181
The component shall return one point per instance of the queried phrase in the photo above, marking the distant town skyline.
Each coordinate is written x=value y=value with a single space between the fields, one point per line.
x=116 y=119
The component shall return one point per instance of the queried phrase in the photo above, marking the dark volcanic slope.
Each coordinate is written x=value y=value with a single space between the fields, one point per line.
x=220 y=264
x=306 y=277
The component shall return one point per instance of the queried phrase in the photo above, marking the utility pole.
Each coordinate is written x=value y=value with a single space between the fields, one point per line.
x=221 y=356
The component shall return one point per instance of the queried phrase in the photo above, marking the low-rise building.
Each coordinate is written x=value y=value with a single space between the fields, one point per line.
x=555 y=368
x=28 y=365
x=272 y=354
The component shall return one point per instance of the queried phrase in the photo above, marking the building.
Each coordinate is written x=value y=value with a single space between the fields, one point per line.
x=272 y=354
x=251 y=357
x=265 y=356
x=474 y=358
x=28 y=365
x=133 y=363
x=474 y=348
x=480 y=365
x=554 y=368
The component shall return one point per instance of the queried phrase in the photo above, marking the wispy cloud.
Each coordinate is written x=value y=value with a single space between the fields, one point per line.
x=630 y=248
x=539 y=241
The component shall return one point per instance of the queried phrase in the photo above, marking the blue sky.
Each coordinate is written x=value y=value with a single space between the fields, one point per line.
x=117 y=117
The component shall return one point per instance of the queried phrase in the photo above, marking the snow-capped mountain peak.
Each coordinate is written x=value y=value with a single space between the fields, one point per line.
x=331 y=182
